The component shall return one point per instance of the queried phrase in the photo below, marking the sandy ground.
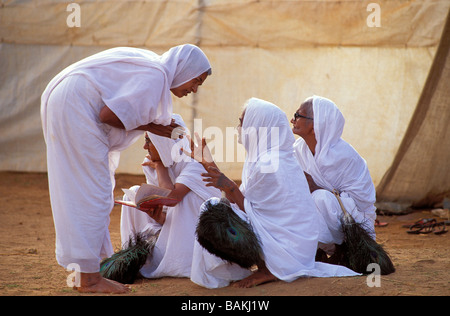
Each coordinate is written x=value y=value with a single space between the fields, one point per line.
x=28 y=266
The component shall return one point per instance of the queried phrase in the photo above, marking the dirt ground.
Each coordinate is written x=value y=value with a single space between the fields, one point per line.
x=28 y=266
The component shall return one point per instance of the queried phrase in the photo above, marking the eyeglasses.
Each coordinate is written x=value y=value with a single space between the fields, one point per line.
x=296 y=116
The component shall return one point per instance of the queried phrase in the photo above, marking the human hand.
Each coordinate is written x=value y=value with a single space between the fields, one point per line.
x=152 y=163
x=201 y=154
x=156 y=213
x=215 y=178
x=173 y=130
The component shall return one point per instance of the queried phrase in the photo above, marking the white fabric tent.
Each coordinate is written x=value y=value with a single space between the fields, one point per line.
x=281 y=51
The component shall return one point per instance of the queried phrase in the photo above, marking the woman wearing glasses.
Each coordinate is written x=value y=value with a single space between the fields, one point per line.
x=330 y=163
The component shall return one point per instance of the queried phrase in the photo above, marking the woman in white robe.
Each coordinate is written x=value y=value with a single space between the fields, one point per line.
x=173 y=252
x=274 y=198
x=333 y=164
x=91 y=111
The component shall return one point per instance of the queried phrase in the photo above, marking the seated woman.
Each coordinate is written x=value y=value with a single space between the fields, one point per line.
x=165 y=167
x=274 y=198
x=331 y=163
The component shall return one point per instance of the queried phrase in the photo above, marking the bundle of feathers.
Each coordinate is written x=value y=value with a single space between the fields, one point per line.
x=224 y=234
x=124 y=265
x=360 y=249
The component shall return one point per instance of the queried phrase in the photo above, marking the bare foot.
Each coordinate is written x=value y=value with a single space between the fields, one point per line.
x=261 y=276
x=95 y=283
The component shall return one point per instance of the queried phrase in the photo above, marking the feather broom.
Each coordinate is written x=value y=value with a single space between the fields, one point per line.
x=124 y=265
x=224 y=234
x=360 y=249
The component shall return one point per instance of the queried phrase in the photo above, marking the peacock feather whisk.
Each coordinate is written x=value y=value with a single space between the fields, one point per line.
x=124 y=265
x=224 y=234
x=360 y=248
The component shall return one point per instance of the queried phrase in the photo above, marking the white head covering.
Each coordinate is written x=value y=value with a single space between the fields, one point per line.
x=266 y=135
x=184 y=63
x=336 y=164
x=169 y=150
x=277 y=198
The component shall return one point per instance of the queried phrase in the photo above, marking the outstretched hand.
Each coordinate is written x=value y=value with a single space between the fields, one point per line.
x=201 y=154
x=213 y=176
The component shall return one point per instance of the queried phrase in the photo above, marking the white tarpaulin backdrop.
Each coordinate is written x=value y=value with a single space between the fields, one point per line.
x=281 y=51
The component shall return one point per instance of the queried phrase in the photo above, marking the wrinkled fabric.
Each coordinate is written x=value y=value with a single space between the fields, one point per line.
x=188 y=61
x=79 y=174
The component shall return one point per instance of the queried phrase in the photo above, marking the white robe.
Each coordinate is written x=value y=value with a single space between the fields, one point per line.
x=173 y=251
x=277 y=204
x=83 y=153
x=336 y=165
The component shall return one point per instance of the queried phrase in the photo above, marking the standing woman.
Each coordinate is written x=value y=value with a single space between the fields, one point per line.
x=90 y=112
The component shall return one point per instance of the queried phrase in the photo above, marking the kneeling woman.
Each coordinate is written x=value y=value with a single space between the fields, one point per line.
x=274 y=198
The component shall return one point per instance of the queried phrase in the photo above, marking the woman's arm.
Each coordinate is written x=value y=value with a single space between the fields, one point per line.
x=178 y=190
x=109 y=117
x=312 y=185
x=164 y=180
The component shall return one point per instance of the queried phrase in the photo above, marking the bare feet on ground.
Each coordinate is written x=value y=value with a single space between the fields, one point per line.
x=95 y=283
x=263 y=275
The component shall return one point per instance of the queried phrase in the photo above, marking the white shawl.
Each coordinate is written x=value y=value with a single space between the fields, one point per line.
x=336 y=164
